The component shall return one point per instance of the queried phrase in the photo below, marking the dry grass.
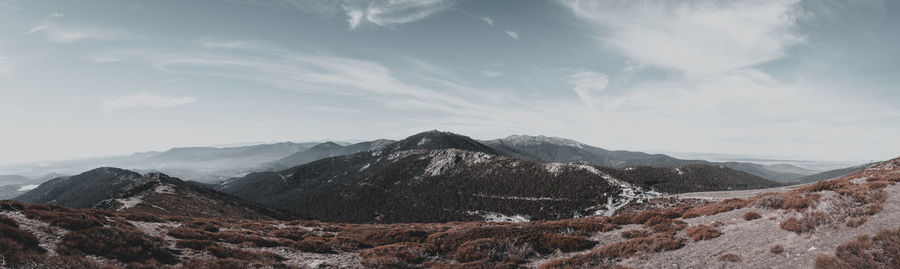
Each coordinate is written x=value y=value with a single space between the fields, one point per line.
x=776 y=249
x=634 y=234
x=715 y=208
x=543 y=242
x=119 y=242
x=880 y=251
x=752 y=215
x=401 y=255
x=729 y=257
x=702 y=232
x=490 y=249
x=198 y=244
x=65 y=217
x=605 y=256
x=807 y=223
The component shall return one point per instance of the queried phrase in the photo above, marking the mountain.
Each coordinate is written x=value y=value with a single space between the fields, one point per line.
x=554 y=149
x=154 y=193
x=204 y=164
x=323 y=150
x=159 y=194
x=438 y=176
x=832 y=174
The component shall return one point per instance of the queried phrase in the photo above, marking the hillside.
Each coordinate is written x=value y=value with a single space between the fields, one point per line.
x=322 y=151
x=831 y=174
x=849 y=222
x=436 y=176
x=555 y=149
x=153 y=193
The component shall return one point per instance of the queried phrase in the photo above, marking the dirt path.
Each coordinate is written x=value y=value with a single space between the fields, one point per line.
x=722 y=195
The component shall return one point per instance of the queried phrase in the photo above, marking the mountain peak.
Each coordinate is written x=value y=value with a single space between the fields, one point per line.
x=327 y=145
x=435 y=139
x=536 y=140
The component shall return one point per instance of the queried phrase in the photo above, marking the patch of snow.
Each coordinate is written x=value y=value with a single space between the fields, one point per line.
x=554 y=168
x=497 y=217
x=129 y=202
x=678 y=170
x=424 y=141
x=859 y=180
x=364 y=167
x=537 y=140
x=629 y=168
x=28 y=187
x=317 y=263
x=165 y=189
x=443 y=160
x=481 y=195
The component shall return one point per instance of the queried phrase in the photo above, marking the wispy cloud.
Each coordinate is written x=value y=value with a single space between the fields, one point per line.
x=512 y=34
x=5 y=66
x=384 y=13
x=11 y=4
x=328 y=75
x=588 y=85
x=696 y=37
x=488 y=20
x=68 y=34
x=491 y=73
x=146 y=100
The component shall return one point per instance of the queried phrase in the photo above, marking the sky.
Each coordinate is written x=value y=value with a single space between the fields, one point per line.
x=789 y=78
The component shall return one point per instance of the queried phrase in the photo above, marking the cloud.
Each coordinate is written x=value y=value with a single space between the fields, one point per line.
x=512 y=34
x=384 y=13
x=5 y=66
x=488 y=20
x=491 y=73
x=588 y=85
x=56 y=15
x=695 y=37
x=404 y=89
x=147 y=100
x=11 y=4
x=70 y=34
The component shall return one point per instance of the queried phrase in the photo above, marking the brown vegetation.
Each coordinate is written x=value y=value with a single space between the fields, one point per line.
x=807 y=223
x=776 y=249
x=879 y=251
x=634 y=234
x=702 y=232
x=119 y=242
x=729 y=257
x=715 y=208
x=65 y=217
x=400 y=255
x=752 y=215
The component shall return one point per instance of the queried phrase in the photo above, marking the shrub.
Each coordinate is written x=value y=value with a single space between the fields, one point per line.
x=790 y=200
x=400 y=255
x=226 y=263
x=669 y=226
x=752 y=215
x=64 y=217
x=715 y=208
x=392 y=236
x=293 y=233
x=854 y=222
x=776 y=249
x=587 y=260
x=125 y=244
x=8 y=205
x=702 y=232
x=730 y=257
x=866 y=251
x=198 y=244
x=141 y=217
x=650 y=244
x=808 y=222
x=204 y=224
x=187 y=233
x=229 y=252
x=582 y=226
x=346 y=243
x=493 y=250
x=634 y=234
x=314 y=245
x=69 y=261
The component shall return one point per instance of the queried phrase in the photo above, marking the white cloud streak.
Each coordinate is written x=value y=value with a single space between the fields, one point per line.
x=384 y=13
x=512 y=34
x=589 y=85
x=70 y=34
x=145 y=100
x=696 y=37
